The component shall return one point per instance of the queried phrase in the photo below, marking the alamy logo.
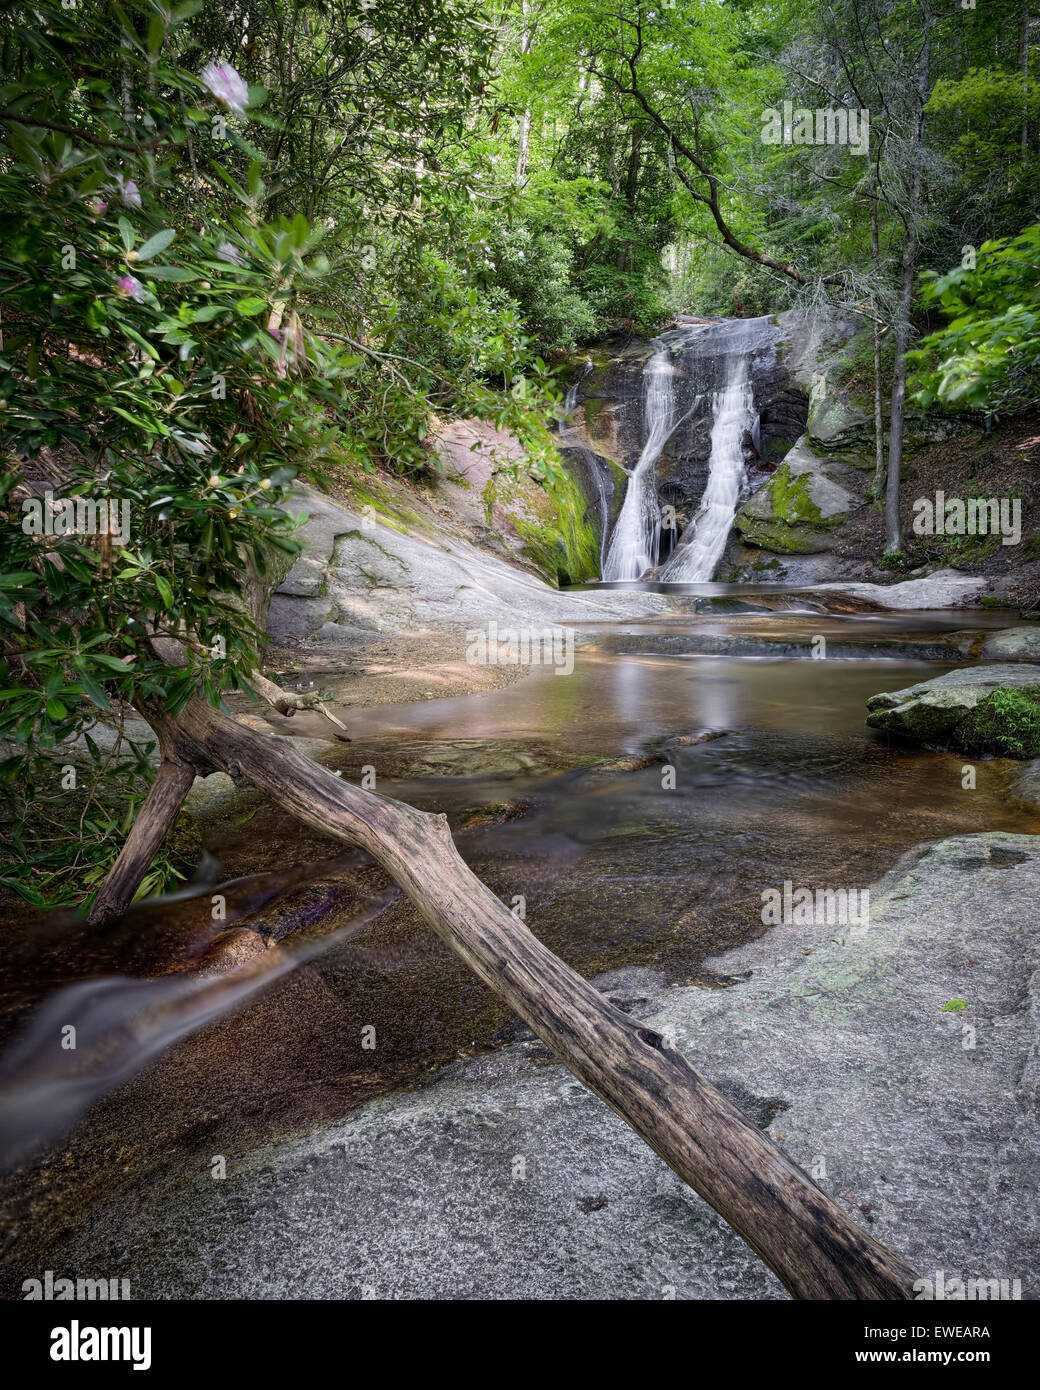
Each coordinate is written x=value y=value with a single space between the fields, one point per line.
x=63 y=1290
x=85 y=516
x=968 y=1290
x=522 y=646
x=76 y=1343
x=974 y=516
x=822 y=907
x=833 y=126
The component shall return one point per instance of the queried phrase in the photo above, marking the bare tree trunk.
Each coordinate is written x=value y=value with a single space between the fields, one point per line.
x=524 y=141
x=879 y=409
x=154 y=821
x=635 y=152
x=802 y=1235
x=1025 y=82
x=523 y=146
x=897 y=415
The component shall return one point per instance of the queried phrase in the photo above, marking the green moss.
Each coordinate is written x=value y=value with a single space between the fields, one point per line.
x=561 y=540
x=370 y=492
x=795 y=525
x=792 y=500
x=922 y=721
x=593 y=406
x=1005 y=723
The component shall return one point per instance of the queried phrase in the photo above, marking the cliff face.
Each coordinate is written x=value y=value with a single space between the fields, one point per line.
x=806 y=513
x=611 y=417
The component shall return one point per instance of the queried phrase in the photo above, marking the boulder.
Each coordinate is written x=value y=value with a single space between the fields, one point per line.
x=931 y=711
x=357 y=579
x=1013 y=644
x=838 y=422
x=943 y=589
x=798 y=508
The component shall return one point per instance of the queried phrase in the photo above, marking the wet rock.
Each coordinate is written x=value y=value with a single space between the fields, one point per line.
x=237 y=949
x=943 y=589
x=1013 y=644
x=799 y=507
x=836 y=422
x=932 y=711
x=496 y=813
x=504 y=1173
x=701 y=736
x=211 y=795
x=366 y=577
x=613 y=399
x=634 y=762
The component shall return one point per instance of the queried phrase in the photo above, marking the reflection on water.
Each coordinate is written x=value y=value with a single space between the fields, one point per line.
x=652 y=862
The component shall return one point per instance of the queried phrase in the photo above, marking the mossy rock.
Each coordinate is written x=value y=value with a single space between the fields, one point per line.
x=553 y=523
x=1005 y=724
x=835 y=422
x=798 y=508
x=942 y=712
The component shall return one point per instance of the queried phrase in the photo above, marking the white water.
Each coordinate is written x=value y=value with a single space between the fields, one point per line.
x=733 y=415
x=635 y=544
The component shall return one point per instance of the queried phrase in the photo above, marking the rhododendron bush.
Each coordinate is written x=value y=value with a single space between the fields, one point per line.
x=180 y=342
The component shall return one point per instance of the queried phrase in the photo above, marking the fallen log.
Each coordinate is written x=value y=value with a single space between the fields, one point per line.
x=810 y=1242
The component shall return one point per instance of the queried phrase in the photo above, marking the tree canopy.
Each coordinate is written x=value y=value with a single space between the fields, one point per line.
x=237 y=242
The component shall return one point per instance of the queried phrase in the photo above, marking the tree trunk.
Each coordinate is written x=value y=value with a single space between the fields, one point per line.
x=635 y=153
x=893 y=525
x=879 y=410
x=1025 y=83
x=157 y=814
x=811 y=1244
x=897 y=415
x=524 y=139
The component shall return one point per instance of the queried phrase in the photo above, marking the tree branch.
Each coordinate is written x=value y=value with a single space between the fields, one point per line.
x=802 y=1234
x=80 y=134
x=710 y=199
x=161 y=806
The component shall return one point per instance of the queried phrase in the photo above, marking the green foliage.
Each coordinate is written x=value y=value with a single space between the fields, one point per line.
x=987 y=357
x=399 y=213
x=1005 y=723
x=53 y=857
x=166 y=353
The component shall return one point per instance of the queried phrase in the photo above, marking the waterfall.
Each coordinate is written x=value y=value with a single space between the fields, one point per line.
x=699 y=377
x=637 y=533
x=570 y=438
x=733 y=416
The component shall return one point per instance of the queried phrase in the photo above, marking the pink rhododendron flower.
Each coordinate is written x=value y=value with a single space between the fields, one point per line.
x=227 y=86
x=128 y=191
x=130 y=288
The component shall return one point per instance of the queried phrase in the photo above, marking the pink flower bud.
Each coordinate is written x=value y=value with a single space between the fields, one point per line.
x=130 y=288
x=128 y=191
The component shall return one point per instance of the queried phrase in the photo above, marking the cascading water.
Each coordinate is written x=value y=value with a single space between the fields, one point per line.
x=699 y=367
x=635 y=544
x=733 y=416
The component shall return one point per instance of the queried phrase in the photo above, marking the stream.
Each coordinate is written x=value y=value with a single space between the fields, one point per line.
x=552 y=790
x=632 y=812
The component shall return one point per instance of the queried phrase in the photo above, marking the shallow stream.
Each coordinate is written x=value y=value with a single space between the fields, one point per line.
x=596 y=799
